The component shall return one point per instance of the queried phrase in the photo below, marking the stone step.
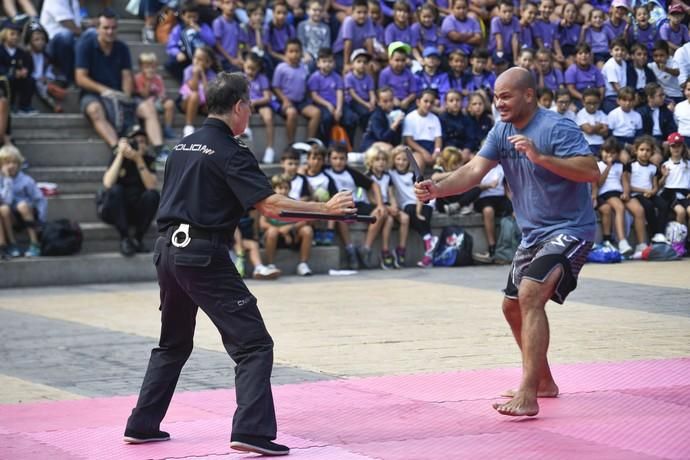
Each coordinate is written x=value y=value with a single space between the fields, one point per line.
x=112 y=267
x=78 y=206
x=70 y=153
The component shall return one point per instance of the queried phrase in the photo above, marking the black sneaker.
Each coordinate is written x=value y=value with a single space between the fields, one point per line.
x=258 y=445
x=136 y=437
x=127 y=247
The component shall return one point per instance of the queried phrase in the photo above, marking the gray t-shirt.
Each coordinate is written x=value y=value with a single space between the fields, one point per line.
x=545 y=203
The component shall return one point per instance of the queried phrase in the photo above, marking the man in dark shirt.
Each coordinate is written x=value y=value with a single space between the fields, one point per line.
x=211 y=179
x=104 y=71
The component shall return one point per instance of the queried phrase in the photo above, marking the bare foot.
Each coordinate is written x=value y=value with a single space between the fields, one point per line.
x=547 y=390
x=518 y=407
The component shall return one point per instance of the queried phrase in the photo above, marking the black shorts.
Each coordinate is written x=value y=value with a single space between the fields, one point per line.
x=499 y=203
x=537 y=262
x=18 y=221
x=364 y=209
x=604 y=197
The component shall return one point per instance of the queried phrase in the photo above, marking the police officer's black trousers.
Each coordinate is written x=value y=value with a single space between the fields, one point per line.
x=203 y=275
x=122 y=209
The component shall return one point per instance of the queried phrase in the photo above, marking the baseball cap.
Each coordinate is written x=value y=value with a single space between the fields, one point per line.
x=9 y=24
x=360 y=52
x=675 y=138
x=676 y=9
x=399 y=46
x=134 y=130
x=431 y=51
x=617 y=3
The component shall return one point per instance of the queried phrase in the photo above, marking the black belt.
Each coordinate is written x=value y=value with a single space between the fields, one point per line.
x=179 y=233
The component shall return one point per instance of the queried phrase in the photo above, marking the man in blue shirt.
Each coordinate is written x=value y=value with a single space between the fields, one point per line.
x=549 y=167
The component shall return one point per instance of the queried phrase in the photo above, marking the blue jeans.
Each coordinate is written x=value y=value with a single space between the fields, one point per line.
x=61 y=48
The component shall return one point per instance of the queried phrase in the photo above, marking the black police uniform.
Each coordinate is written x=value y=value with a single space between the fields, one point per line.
x=210 y=180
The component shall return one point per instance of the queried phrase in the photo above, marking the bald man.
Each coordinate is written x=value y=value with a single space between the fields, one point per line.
x=549 y=167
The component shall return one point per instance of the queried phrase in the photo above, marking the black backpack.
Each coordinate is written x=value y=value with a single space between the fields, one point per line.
x=61 y=237
x=454 y=248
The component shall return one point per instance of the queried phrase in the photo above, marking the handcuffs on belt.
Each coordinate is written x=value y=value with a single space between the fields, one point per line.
x=183 y=230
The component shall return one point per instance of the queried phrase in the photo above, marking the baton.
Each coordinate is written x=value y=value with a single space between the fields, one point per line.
x=323 y=216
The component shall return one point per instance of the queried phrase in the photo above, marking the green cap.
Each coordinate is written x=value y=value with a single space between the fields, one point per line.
x=399 y=46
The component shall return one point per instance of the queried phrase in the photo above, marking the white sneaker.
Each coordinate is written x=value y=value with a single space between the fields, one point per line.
x=465 y=210
x=264 y=272
x=608 y=244
x=303 y=269
x=638 y=251
x=187 y=130
x=624 y=247
x=269 y=155
x=659 y=238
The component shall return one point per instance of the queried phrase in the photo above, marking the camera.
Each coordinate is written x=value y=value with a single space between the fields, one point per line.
x=134 y=144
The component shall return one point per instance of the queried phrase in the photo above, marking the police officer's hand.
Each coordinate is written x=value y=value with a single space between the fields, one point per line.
x=341 y=204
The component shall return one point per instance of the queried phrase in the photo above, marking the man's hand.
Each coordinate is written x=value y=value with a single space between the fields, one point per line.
x=524 y=145
x=425 y=190
x=341 y=204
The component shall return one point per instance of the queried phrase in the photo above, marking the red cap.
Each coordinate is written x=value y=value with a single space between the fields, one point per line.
x=675 y=138
x=676 y=9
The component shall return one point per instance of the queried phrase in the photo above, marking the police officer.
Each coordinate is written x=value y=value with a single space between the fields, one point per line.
x=211 y=178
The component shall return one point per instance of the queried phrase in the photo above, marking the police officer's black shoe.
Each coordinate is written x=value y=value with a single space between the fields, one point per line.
x=257 y=445
x=127 y=247
x=137 y=437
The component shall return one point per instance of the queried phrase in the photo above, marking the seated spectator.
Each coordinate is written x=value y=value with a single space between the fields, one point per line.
x=525 y=59
x=356 y=31
x=430 y=77
x=282 y=234
x=16 y=65
x=426 y=31
x=7 y=242
x=568 y=32
x=360 y=96
x=313 y=33
x=385 y=123
x=277 y=34
x=149 y=85
x=638 y=73
x=492 y=203
x=644 y=203
x=28 y=206
x=681 y=113
x=347 y=178
x=420 y=214
x=528 y=15
x=10 y=7
x=479 y=121
x=290 y=87
x=398 y=77
x=610 y=195
x=563 y=103
x=458 y=77
x=261 y=99
x=582 y=74
x=682 y=59
x=47 y=88
x=453 y=121
x=617 y=25
x=548 y=76
x=545 y=31
x=399 y=29
x=452 y=158
x=643 y=31
x=185 y=38
x=666 y=72
x=195 y=80
x=299 y=185
x=377 y=164
x=481 y=79
x=675 y=178
x=594 y=33
x=246 y=242
x=545 y=98
x=227 y=32
x=62 y=20
x=657 y=119
x=615 y=73
x=130 y=197
x=460 y=31
x=322 y=189
x=624 y=122
x=592 y=121
x=422 y=130
x=504 y=33
x=674 y=32
x=104 y=71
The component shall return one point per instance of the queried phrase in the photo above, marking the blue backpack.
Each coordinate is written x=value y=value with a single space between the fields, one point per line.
x=454 y=248
x=601 y=254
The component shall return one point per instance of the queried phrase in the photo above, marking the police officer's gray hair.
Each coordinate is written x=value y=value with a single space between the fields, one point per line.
x=225 y=91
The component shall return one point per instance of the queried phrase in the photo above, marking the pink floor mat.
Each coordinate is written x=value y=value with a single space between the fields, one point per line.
x=627 y=410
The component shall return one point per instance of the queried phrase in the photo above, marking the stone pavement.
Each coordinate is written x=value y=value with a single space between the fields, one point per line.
x=93 y=341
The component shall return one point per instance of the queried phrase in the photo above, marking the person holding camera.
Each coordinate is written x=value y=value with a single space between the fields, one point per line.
x=130 y=197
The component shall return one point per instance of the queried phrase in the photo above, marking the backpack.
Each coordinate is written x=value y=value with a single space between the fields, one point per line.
x=454 y=248
x=659 y=252
x=601 y=254
x=676 y=234
x=61 y=237
x=120 y=113
x=508 y=240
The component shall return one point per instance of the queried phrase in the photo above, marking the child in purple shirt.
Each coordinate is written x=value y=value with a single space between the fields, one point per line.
x=616 y=23
x=356 y=31
x=568 y=32
x=598 y=36
x=360 y=96
x=425 y=32
x=398 y=77
x=430 y=77
x=481 y=79
x=504 y=28
x=399 y=30
x=544 y=29
x=674 y=32
x=290 y=87
x=583 y=74
x=185 y=38
x=196 y=78
x=548 y=76
x=326 y=89
x=251 y=32
x=261 y=99
x=643 y=31
x=458 y=77
x=460 y=31
x=228 y=33
x=528 y=16
x=277 y=32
